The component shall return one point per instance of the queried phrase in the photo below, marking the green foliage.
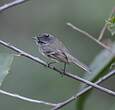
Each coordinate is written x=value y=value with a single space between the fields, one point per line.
x=111 y=25
x=5 y=65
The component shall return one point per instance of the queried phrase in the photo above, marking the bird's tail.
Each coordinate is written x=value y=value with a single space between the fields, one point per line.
x=79 y=64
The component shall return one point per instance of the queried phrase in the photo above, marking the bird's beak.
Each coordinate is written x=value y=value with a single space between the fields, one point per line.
x=34 y=38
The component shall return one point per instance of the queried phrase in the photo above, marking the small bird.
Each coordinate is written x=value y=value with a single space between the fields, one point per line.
x=53 y=48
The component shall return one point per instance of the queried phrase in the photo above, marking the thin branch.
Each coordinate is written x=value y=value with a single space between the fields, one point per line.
x=90 y=36
x=105 y=26
x=90 y=83
x=60 y=105
x=22 y=53
x=11 y=4
x=26 y=99
x=102 y=32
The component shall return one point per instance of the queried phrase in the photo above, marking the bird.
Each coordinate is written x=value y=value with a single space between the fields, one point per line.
x=51 y=47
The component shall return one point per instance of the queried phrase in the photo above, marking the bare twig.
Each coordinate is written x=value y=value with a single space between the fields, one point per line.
x=22 y=53
x=11 y=4
x=60 y=105
x=26 y=99
x=102 y=32
x=90 y=83
x=90 y=36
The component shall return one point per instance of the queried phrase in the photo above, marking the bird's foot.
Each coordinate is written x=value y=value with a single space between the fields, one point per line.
x=50 y=63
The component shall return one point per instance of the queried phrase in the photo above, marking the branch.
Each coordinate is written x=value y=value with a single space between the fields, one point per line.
x=11 y=4
x=102 y=32
x=60 y=105
x=90 y=36
x=22 y=53
x=27 y=99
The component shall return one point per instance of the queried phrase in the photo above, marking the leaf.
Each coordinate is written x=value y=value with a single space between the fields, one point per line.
x=111 y=28
x=5 y=65
x=111 y=25
x=100 y=66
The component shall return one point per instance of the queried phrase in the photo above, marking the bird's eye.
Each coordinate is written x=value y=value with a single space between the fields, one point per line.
x=47 y=35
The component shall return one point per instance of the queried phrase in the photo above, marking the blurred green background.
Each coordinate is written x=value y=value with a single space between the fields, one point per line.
x=27 y=78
